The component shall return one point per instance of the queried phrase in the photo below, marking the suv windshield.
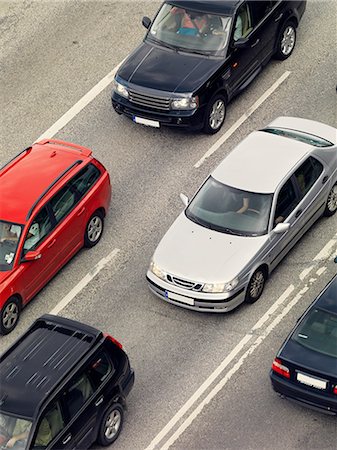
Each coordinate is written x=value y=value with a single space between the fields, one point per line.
x=229 y=210
x=9 y=238
x=14 y=431
x=189 y=30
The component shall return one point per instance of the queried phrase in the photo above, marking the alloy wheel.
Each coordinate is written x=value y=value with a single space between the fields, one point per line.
x=112 y=424
x=257 y=284
x=10 y=315
x=217 y=114
x=288 y=40
x=95 y=227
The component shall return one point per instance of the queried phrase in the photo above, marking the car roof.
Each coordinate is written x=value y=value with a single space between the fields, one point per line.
x=260 y=162
x=225 y=7
x=328 y=298
x=25 y=178
x=38 y=362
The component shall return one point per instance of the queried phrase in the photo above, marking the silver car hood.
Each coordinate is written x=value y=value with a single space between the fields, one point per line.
x=195 y=253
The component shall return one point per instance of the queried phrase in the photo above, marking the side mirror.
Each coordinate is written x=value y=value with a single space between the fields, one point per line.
x=281 y=228
x=241 y=43
x=146 y=21
x=32 y=256
x=184 y=199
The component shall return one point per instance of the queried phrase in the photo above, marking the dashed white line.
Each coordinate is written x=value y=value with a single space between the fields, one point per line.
x=85 y=280
x=320 y=271
x=326 y=251
x=305 y=272
x=242 y=119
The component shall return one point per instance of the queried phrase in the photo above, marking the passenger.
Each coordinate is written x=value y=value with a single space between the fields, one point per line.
x=33 y=236
x=193 y=24
x=20 y=433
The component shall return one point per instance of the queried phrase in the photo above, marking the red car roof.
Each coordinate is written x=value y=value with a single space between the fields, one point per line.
x=28 y=175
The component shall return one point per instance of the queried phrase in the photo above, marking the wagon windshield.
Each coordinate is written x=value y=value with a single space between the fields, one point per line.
x=190 y=30
x=9 y=239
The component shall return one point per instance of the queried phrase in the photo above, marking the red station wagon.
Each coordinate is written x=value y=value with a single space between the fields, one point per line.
x=53 y=199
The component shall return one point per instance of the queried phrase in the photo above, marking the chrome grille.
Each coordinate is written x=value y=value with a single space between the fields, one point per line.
x=185 y=284
x=162 y=103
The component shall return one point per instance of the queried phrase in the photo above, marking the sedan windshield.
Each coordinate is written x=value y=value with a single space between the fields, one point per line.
x=191 y=31
x=229 y=210
x=13 y=431
x=9 y=238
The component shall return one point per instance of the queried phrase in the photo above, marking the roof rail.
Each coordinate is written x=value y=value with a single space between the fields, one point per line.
x=51 y=185
x=11 y=160
x=86 y=151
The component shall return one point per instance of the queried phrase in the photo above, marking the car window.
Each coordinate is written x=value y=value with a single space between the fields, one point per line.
x=38 y=230
x=307 y=174
x=243 y=22
x=286 y=202
x=259 y=10
x=99 y=369
x=63 y=202
x=78 y=392
x=50 y=424
x=85 y=179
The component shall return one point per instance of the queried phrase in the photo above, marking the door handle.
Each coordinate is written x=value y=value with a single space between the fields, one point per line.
x=66 y=439
x=325 y=179
x=52 y=243
x=298 y=213
x=99 y=401
x=81 y=211
x=255 y=43
x=278 y=18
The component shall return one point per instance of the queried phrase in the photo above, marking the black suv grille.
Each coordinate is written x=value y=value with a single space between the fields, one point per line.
x=161 y=103
x=184 y=283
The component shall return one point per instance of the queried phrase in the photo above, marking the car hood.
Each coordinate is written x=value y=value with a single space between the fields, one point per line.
x=300 y=356
x=164 y=69
x=195 y=253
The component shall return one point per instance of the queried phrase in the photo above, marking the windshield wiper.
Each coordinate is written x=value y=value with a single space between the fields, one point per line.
x=163 y=44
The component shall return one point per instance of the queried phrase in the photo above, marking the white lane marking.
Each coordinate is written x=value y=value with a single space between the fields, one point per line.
x=199 y=392
x=85 y=280
x=233 y=370
x=242 y=119
x=81 y=104
x=305 y=272
x=320 y=271
x=326 y=251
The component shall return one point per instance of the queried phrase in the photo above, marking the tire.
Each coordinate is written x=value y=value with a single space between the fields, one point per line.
x=215 y=114
x=331 y=203
x=10 y=315
x=255 y=286
x=286 y=41
x=111 y=425
x=94 y=229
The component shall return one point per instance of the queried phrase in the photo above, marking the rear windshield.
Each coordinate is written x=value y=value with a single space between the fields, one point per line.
x=318 y=332
x=306 y=138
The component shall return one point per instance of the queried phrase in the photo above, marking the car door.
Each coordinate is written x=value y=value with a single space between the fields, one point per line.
x=285 y=209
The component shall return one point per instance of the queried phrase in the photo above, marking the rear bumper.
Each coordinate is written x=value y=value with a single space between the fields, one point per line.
x=314 y=400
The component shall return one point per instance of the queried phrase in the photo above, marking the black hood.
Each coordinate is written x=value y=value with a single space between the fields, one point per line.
x=164 y=69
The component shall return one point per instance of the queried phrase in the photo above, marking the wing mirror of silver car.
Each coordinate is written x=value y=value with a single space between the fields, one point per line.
x=281 y=228
x=184 y=199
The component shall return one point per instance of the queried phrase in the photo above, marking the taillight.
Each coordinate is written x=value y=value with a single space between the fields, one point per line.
x=112 y=339
x=335 y=390
x=279 y=368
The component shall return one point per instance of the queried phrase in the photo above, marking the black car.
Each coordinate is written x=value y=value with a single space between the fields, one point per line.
x=197 y=55
x=63 y=385
x=305 y=368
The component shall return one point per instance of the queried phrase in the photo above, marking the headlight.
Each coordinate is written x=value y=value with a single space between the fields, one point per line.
x=220 y=287
x=157 y=271
x=120 y=89
x=185 y=103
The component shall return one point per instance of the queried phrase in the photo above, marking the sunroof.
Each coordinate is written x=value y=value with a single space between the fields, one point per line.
x=300 y=136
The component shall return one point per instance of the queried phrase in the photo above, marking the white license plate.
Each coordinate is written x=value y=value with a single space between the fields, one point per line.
x=311 y=381
x=147 y=122
x=180 y=298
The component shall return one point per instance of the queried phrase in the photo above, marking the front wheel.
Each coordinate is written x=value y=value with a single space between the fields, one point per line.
x=331 y=203
x=215 y=114
x=256 y=286
x=94 y=229
x=10 y=314
x=286 y=41
x=111 y=425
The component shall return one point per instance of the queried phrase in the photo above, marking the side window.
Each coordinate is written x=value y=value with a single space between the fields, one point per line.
x=38 y=230
x=63 y=202
x=86 y=178
x=99 y=369
x=307 y=174
x=286 y=202
x=77 y=394
x=243 y=24
x=259 y=10
x=50 y=425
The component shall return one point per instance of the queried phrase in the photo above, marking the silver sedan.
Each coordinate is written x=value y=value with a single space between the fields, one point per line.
x=246 y=216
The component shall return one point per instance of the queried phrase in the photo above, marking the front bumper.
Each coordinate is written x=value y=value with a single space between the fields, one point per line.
x=193 y=120
x=318 y=401
x=196 y=301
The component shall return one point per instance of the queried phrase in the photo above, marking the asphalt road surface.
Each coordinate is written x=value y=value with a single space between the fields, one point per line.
x=201 y=380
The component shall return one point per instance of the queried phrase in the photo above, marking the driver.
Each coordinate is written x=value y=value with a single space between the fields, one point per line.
x=193 y=24
x=20 y=433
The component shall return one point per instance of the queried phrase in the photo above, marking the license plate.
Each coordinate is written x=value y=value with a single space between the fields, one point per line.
x=180 y=298
x=311 y=381
x=147 y=122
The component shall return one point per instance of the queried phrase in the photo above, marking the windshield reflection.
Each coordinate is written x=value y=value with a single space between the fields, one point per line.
x=229 y=210
x=9 y=238
x=188 y=30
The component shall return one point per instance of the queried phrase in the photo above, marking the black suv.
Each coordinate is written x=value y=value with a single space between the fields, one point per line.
x=197 y=55
x=63 y=385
